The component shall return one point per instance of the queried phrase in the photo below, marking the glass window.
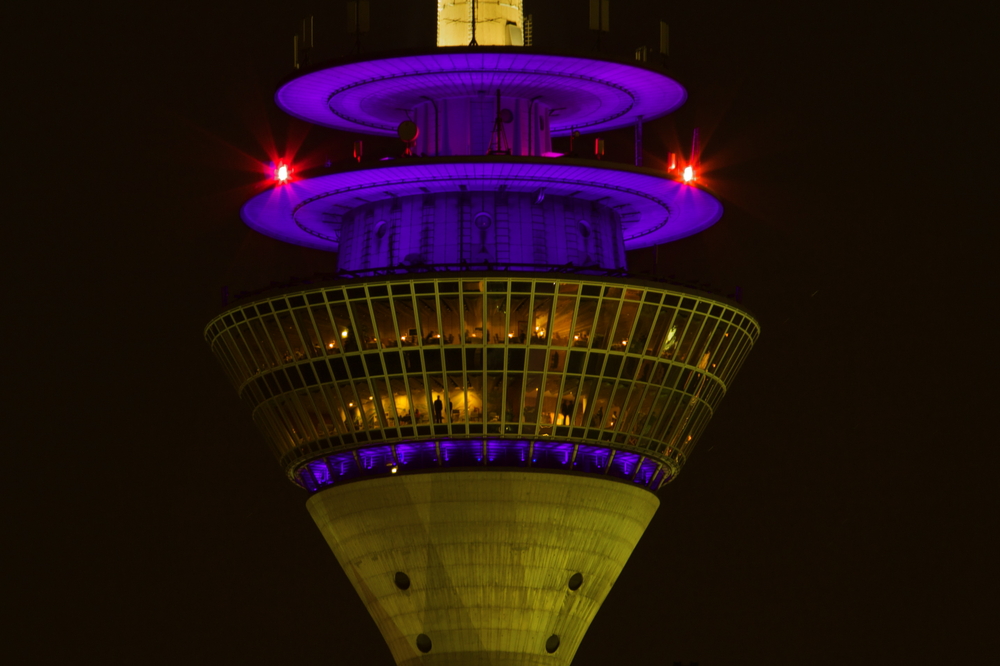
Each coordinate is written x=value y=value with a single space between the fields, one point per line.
x=675 y=332
x=367 y=337
x=512 y=402
x=685 y=347
x=234 y=340
x=536 y=360
x=401 y=401
x=586 y=402
x=496 y=319
x=328 y=335
x=261 y=337
x=474 y=359
x=643 y=418
x=644 y=370
x=383 y=403
x=540 y=320
x=619 y=340
x=472 y=305
x=642 y=329
x=405 y=320
x=439 y=399
x=475 y=398
x=384 y=324
x=291 y=335
x=562 y=320
x=456 y=409
x=532 y=395
x=494 y=396
x=451 y=321
x=570 y=401
x=600 y=414
x=520 y=318
x=345 y=330
x=700 y=352
x=656 y=339
x=551 y=403
x=430 y=330
x=605 y=320
x=351 y=405
x=421 y=406
x=584 y=321
x=311 y=342
x=617 y=405
x=338 y=411
x=313 y=421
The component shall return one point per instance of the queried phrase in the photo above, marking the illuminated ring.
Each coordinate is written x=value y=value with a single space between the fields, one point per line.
x=586 y=92
x=653 y=208
x=556 y=129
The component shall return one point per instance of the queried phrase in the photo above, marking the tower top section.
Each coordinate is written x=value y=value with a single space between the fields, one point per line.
x=495 y=23
x=585 y=94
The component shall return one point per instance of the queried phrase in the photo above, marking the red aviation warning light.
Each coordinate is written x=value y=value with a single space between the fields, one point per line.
x=688 y=174
x=282 y=173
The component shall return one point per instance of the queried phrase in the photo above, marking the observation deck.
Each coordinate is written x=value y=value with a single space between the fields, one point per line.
x=616 y=377
x=484 y=405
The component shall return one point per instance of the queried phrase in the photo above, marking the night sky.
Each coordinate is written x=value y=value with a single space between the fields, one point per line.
x=840 y=508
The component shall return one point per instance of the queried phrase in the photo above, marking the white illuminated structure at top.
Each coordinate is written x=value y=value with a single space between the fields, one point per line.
x=497 y=22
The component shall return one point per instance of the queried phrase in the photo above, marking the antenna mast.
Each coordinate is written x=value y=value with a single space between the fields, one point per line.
x=474 y=42
x=357 y=21
x=499 y=138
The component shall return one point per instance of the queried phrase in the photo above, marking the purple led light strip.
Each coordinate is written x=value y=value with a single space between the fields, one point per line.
x=387 y=459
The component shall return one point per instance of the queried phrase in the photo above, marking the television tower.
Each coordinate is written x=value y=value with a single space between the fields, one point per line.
x=484 y=403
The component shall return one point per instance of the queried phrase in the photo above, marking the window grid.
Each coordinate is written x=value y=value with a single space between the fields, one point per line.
x=300 y=399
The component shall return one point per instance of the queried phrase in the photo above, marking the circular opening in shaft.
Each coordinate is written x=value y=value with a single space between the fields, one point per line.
x=402 y=580
x=575 y=581
x=424 y=643
x=552 y=644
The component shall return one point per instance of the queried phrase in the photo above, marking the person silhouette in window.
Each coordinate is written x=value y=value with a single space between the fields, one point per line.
x=438 y=410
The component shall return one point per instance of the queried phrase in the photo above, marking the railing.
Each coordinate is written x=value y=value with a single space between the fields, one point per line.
x=416 y=269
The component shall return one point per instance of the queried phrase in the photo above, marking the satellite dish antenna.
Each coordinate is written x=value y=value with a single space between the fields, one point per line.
x=507 y=115
x=408 y=131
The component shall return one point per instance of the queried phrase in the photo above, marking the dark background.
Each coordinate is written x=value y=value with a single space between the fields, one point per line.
x=840 y=509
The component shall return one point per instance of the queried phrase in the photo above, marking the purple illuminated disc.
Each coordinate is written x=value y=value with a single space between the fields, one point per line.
x=653 y=208
x=373 y=95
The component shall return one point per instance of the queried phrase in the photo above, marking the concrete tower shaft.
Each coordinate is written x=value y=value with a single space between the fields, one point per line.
x=500 y=568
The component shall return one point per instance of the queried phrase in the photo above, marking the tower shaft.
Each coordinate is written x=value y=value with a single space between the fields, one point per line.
x=490 y=558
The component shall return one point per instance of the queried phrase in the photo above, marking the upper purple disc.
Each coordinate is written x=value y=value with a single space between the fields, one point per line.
x=373 y=96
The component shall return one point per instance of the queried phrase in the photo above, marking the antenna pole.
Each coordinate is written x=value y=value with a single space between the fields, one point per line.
x=694 y=149
x=474 y=42
x=638 y=141
x=499 y=134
